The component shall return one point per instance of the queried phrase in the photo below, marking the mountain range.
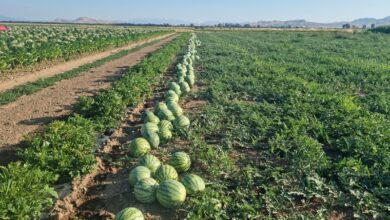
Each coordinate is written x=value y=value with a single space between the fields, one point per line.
x=303 y=23
x=276 y=23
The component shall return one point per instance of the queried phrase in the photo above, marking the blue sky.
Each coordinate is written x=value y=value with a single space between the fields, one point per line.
x=197 y=10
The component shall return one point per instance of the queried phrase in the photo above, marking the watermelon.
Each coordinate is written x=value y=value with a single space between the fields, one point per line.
x=164 y=124
x=181 y=122
x=129 y=214
x=175 y=87
x=172 y=99
x=150 y=161
x=190 y=79
x=193 y=183
x=139 y=173
x=153 y=139
x=165 y=172
x=171 y=95
x=184 y=87
x=175 y=108
x=145 y=190
x=180 y=161
x=149 y=128
x=165 y=134
x=139 y=147
x=151 y=117
x=159 y=106
x=166 y=114
x=171 y=193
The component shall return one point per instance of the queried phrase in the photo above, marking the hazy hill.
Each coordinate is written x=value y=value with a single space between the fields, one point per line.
x=84 y=20
x=303 y=23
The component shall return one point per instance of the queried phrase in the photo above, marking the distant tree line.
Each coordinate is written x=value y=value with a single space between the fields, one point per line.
x=349 y=26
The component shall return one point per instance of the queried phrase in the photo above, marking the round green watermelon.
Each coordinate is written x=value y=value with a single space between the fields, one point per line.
x=193 y=183
x=180 y=161
x=151 y=117
x=139 y=147
x=165 y=134
x=171 y=193
x=182 y=122
x=149 y=128
x=153 y=139
x=145 y=190
x=159 y=106
x=166 y=114
x=150 y=161
x=175 y=109
x=129 y=214
x=175 y=87
x=190 y=79
x=172 y=96
x=164 y=124
x=139 y=173
x=184 y=87
x=171 y=99
x=165 y=172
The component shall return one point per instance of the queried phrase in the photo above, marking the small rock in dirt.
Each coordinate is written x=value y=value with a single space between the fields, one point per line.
x=102 y=140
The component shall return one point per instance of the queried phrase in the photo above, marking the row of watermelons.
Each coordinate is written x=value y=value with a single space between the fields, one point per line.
x=151 y=179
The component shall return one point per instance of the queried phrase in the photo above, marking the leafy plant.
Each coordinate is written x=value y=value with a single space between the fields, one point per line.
x=25 y=191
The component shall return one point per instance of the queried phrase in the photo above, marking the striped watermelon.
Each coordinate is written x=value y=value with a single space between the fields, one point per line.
x=139 y=173
x=175 y=87
x=149 y=128
x=153 y=139
x=184 y=87
x=151 y=117
x=172 y=99
x=193 y=183
x=145 y=190
x=164 y=124
x=180 y=161
x=159 y=106
x=150 y=161
x=182 y=122
x=175 y=108
x=165 y=172
x=190 y=79
x=172 y=96
x=166 y=114
x=129 y=214
x=139 y=147
x=165 y=134
x=171 y=193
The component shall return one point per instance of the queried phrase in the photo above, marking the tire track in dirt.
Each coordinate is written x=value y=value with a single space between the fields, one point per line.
x=29 y=113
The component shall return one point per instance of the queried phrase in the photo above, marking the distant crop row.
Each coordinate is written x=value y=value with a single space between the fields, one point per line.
x=25 y=45
x=382 y=29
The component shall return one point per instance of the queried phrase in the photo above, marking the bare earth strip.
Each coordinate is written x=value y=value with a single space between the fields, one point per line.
x=29 y=113
x=24 y=77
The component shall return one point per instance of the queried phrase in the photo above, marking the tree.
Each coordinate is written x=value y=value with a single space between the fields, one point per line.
x=346 y=26
x=372 y=25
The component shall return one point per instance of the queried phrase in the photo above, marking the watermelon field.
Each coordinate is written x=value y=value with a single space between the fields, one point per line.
x=221 y=124
x=28 y=45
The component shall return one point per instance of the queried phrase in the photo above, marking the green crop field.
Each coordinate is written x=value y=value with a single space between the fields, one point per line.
x=214 y=125
x=27 y=45
x=297 y=125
